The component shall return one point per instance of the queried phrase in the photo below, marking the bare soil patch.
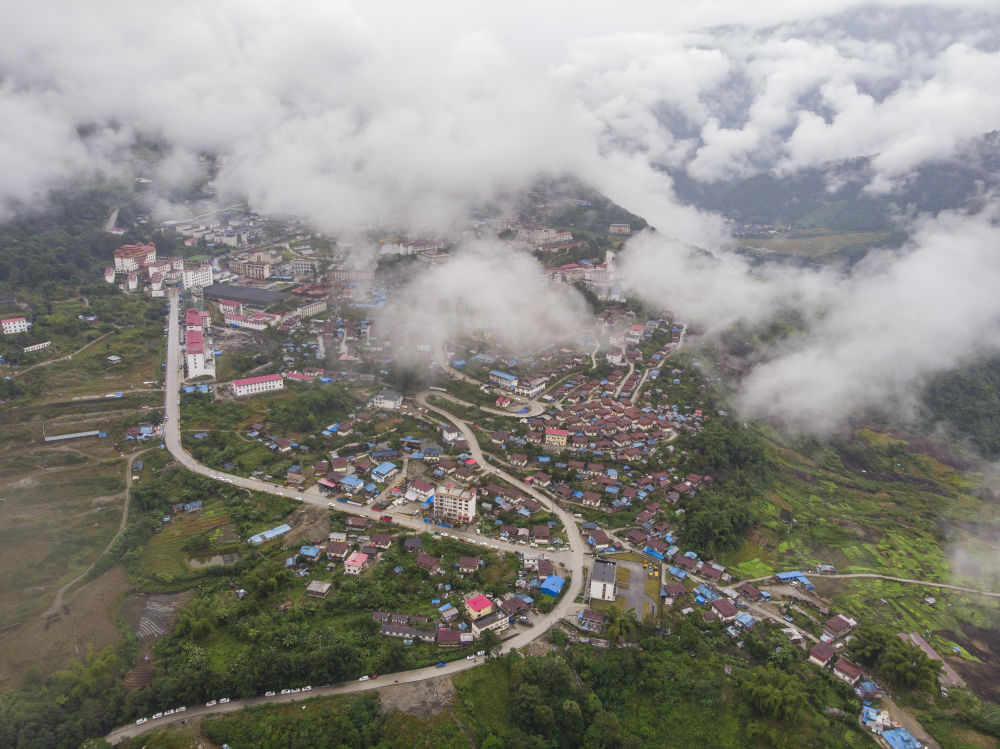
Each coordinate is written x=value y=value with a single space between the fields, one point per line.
x=309 y=523
x=424 y=698
x=983 y=678
x=87 y=618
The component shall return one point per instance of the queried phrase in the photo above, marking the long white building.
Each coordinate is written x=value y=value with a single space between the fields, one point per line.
x=256 y=385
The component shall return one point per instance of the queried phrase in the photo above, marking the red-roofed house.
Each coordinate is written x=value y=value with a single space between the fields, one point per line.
x=479 y=606
x=838 y=625
x=844 y=669
x=556 y=437
x=821 y=654
x=356 y=563
x=725 y=608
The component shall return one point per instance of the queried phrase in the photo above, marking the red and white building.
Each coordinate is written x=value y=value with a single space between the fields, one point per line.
x=14 y=325
x=260 y=321
x=196 y=320
x=229 y=307
x=557 y=437
x=356 y=563
x=130 y=257
x=198 y=356
x=257 y=385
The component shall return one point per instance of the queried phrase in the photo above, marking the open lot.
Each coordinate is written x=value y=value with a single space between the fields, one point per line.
x=815 y=244
x=56 y=521
x=40 y=646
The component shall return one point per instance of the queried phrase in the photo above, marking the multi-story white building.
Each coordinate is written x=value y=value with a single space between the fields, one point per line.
x=603 y=580
x=311 y=308
x=388 y=399
x=198 y=275
x=455 y=502
x=130 y=257
x=303 y=267
x=531 y=387
x=256 y=385
x=14 y=325
x=198 y=357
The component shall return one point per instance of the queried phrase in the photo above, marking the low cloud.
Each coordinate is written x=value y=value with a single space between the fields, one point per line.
x=484 y=290
x=356 y=115
x=872 y=336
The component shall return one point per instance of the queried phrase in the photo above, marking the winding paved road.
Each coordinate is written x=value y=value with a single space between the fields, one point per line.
x=571 y=560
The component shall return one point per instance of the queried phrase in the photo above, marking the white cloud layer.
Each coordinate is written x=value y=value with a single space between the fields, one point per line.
x=871 y=337
x=359 y=112
x=484 y=288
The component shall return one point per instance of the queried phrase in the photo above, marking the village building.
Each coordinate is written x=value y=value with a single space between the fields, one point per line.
x=847 y=671
x=356 y=563
x=838 y=625
x=590 y=620
x=388 y=400
x=725 y=608
x=496 y=621
x=556 y=437
x=454 y=502
x=318 y=589
x=603 y=580
x=428 y=563
x=479 y=606
x=821 y=654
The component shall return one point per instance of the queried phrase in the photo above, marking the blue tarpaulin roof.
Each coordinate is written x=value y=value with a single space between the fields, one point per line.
x=552 y=585
x=900 y=738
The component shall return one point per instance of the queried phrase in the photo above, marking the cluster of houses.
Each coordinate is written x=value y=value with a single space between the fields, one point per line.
x=455 y=622
x=606 y=444
x=137 y=268
x=826 y=650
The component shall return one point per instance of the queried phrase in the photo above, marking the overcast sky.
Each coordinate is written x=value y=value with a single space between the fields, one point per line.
x=407 y=113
